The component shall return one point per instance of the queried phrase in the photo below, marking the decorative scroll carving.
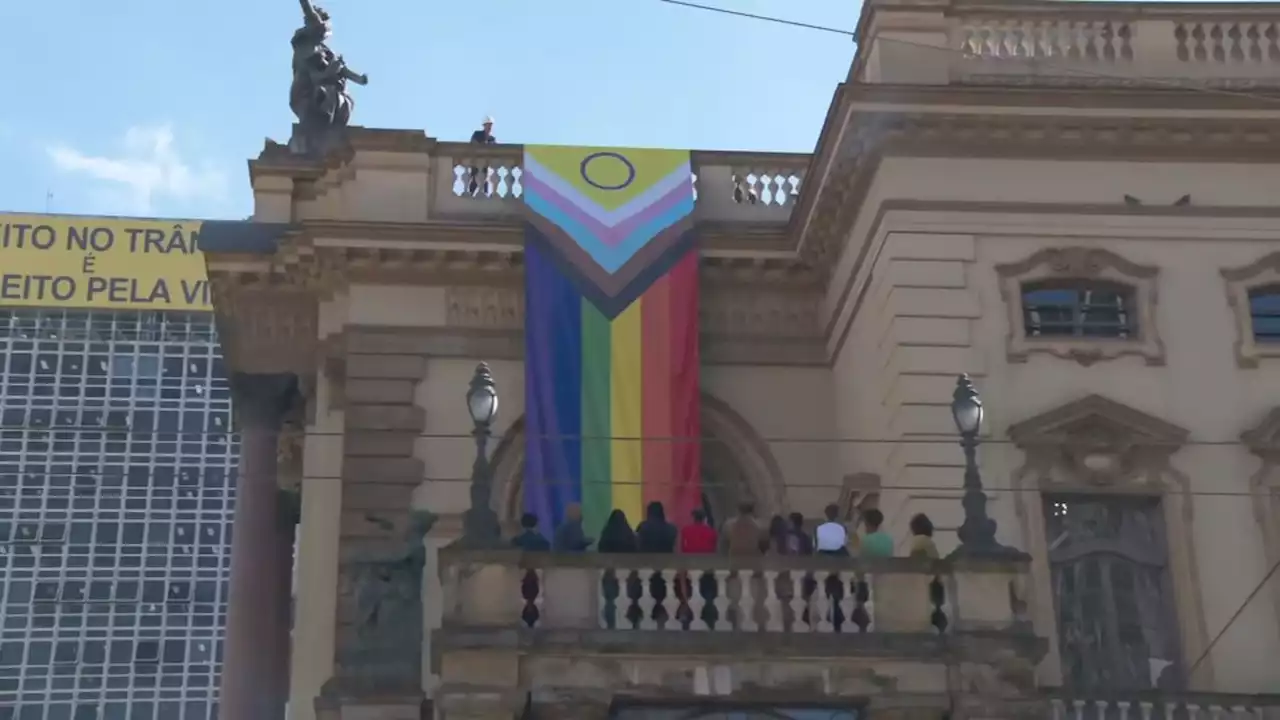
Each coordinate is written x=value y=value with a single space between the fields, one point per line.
x=1095 y=446
x=1263 y=440
x=744 y=313
x=489 y=308
x=1265 y=271
x=1082 y=263
x=859 y=493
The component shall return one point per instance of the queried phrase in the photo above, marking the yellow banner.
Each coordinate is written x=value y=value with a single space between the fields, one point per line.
x=64 y=261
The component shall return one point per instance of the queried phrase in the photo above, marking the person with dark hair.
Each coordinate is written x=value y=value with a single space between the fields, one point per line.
x=530 y=538
x=831 y=537
x=922 y=544
x=797 y=538
x=876 y=542
x=655 y=534
x=698 y=538
x=617 y=535
x=777 y=536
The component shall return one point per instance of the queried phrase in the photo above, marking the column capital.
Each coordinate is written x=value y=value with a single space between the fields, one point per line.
x=263 y=400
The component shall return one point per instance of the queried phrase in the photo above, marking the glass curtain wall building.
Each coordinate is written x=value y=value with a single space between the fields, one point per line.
x=117 y=474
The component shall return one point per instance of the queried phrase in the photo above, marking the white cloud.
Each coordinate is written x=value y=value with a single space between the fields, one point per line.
x=148 y=171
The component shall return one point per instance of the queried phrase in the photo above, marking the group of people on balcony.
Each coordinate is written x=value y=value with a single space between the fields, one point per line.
x=742 y=535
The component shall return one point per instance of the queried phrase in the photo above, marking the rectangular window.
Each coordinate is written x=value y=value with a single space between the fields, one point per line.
x=1080 y=309
x=1264 y=313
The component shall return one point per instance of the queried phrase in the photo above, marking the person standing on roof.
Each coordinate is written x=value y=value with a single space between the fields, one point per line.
x=484 y=136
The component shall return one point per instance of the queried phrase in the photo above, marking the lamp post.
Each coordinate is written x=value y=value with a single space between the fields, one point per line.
x=978 y=531
x=480 y=526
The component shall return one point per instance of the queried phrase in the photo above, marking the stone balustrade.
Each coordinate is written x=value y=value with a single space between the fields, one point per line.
x=484 y=180
x=1163 y=706
x=1044 y=43
x=710 y=593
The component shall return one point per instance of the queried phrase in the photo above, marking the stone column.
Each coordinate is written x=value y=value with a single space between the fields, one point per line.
x=255 y=672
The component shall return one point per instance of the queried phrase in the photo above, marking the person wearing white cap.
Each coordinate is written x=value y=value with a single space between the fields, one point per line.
x=481 y=178
x=484 y=136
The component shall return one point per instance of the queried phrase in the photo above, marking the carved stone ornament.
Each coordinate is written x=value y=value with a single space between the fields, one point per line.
x=489 y=308
x=1263 y=440
x=1239 y=282
x=1082 y=263
x=858 y=493
x=1095 y=446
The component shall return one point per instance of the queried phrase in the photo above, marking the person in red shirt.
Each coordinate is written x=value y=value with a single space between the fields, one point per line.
x=698 y=538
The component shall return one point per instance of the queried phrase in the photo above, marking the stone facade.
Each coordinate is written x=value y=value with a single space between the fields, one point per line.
x=945 y=184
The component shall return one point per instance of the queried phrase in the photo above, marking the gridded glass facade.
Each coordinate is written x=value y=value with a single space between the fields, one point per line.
x=117 y=471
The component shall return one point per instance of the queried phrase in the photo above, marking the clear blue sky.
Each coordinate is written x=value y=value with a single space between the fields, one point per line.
x=153 y=106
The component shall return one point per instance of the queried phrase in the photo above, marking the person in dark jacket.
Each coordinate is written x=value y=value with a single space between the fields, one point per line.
x=570 y=536
x=530 y=538
x=484 y=136
x=655 y=534
x=617 y=535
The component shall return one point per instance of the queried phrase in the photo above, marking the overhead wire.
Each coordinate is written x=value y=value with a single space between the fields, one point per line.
x=1039 y=62
x=921 y=439
x=397 y=479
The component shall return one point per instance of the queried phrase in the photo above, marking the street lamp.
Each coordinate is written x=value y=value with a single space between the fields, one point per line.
x=480 y=526
x=978 y=531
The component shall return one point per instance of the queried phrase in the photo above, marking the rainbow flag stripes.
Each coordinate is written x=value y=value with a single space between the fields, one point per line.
x=611 y=333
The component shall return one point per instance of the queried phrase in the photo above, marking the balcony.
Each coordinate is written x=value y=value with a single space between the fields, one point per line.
x=580 y=631
x=483 y=181
x=574 y=634
x=1070 y=44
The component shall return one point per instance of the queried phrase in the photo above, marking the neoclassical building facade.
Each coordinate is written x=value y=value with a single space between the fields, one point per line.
x=1074 y=204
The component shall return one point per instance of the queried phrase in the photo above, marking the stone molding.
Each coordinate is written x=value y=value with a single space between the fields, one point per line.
x=1097 y=446
x=1263 y=272
x=1263 y=440
x=857 y=138
x=1088 y=264
x=266 y=329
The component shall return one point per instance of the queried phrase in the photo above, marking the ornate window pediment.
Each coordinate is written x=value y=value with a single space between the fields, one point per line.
x=1253 y=292
x=1100 y=443
x=1103 y=464
x=1081 y=303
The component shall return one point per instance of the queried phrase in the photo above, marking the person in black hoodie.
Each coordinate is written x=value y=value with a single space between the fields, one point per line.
x=617 y=535
x=655 y=534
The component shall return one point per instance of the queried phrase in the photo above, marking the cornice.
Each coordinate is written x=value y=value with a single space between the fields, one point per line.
x=830 y=207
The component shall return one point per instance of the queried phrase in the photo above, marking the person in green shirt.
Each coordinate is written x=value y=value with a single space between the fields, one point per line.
x=876 y=543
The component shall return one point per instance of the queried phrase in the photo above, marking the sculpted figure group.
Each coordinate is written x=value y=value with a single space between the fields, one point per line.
x=318 y=95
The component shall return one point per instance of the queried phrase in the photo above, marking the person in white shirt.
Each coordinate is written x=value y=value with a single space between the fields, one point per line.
x=831 y=537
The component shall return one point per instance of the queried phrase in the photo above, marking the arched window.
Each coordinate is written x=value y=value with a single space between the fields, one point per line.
x=1112 y=591
x=1264 y=313
x=1067 y=308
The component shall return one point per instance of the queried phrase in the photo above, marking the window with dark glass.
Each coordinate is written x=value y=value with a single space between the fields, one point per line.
x=1109 y=570
x=1079 y=309
x=1264 y=313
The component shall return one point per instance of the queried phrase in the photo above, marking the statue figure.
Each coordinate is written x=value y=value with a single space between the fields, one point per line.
x=389 y=600
x=318 y=95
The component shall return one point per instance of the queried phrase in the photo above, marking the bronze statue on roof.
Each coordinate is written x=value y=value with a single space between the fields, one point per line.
x=318 y=95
